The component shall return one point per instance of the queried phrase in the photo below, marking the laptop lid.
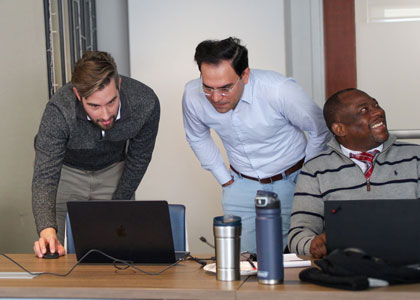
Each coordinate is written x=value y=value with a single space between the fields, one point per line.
x=136 y=231
x=388 y=229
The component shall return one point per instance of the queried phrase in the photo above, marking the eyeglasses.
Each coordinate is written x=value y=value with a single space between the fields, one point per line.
x=224 y=91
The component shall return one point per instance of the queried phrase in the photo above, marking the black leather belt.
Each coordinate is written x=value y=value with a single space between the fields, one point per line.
x=277 y=177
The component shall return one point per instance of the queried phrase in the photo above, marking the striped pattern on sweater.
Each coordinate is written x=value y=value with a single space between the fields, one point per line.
x=333 y=176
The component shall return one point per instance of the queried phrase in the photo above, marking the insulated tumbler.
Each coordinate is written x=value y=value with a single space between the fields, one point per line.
x=227 y=239
x=269 y=238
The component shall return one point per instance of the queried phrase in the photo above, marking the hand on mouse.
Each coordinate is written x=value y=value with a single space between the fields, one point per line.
x=48 y=241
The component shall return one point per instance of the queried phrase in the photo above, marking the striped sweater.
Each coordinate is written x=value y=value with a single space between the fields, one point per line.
x=333 y=176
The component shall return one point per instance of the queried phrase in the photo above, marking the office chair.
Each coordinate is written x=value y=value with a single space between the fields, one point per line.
x=177 y=216
x=68 y=243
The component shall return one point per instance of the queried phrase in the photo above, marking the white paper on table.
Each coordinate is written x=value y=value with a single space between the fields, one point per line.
x=246 y=268
x=290 y=260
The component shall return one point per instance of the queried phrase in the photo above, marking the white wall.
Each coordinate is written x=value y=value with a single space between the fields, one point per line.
x=388 y=62
x=305 y=46
x=24 y=94
x=163 y=35
x=112 y=31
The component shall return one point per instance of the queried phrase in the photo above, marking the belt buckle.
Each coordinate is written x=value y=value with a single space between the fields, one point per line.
x=271 y=180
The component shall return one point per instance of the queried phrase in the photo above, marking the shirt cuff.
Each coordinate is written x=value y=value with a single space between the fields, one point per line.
x=222 y=174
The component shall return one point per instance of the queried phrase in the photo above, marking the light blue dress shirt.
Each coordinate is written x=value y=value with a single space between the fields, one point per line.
x=264 y=134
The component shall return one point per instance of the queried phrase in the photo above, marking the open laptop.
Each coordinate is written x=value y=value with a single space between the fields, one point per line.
x=388 y=229
x=136 y=231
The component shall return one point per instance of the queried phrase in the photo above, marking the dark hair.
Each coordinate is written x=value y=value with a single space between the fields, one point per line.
x=333 y=105
x=214 y=51
x=93 y=72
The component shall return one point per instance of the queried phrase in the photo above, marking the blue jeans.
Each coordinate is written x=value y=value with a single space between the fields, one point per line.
x=238 y=199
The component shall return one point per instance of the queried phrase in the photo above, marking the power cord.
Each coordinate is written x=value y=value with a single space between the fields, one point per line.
x=116 y=262
x=201 y=261
x=204 y=240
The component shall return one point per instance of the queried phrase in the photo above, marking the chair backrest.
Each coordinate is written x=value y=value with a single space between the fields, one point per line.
x=69 y=237
x=177 y=215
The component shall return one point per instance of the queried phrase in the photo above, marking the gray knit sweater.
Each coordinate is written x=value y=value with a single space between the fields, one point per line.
x=67 y=137
x=333 y=176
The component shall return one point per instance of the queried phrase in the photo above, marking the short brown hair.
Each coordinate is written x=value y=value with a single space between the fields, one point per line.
x=93 y=72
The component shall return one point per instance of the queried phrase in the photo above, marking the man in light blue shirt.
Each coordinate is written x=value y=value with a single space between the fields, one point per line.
x=261 y=118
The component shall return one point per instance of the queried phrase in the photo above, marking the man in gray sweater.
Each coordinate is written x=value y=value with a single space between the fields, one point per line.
x=363 y=162
x=95 y=141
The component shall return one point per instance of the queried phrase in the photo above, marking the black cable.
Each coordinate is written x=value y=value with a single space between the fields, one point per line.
x=249 y=256
x=115 y=262
x=206 y=258
x=204 y=240
x=201 y=261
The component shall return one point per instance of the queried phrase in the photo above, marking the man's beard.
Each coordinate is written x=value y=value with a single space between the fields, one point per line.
x=109 y=126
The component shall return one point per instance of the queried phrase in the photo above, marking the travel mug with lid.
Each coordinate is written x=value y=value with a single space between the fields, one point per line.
x=227 y=239
x=269 y=238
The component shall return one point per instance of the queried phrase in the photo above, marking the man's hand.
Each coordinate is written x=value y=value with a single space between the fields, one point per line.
x=228 y=183
x=318 y=247
x=48 y=239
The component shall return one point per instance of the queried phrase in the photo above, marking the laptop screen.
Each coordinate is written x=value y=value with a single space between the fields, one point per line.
x=388 y=229
x=137 y=231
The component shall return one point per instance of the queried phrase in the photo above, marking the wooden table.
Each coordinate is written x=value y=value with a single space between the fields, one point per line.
x=185 y=281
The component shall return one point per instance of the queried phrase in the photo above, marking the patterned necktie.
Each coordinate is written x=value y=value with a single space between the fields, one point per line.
x=367 y=158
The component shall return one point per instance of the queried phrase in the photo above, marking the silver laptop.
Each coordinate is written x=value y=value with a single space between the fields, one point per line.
x=388 y=229
x=136 y=231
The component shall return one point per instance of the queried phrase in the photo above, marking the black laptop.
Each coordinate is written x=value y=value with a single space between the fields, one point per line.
x=136 y=231
x=388 y=229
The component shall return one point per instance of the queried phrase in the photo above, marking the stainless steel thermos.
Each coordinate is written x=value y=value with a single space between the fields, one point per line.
x=269 y=238
x=227 y=239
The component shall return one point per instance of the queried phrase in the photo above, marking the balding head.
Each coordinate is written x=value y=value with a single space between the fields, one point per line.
x=333 y=107
x=356 y=120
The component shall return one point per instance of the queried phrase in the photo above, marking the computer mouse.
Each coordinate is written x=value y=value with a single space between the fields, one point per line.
x=50 y=255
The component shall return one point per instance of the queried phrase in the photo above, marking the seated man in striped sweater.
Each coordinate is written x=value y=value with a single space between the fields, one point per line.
x=363 y=162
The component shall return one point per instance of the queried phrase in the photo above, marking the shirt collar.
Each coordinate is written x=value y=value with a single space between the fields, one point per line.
x=347 y=152
x=248 y=90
